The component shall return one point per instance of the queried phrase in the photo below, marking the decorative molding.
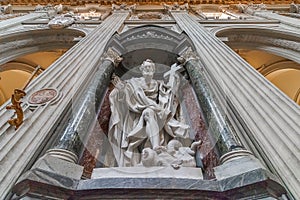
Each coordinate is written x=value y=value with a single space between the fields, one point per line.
x=234 y=154
x=150 y=16
x=149 y=34
x=63 y=154
x=17 y=44
x=283 y=43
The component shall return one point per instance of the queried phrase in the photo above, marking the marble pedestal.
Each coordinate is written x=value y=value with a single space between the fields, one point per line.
x=147 y=172
x=50 y=178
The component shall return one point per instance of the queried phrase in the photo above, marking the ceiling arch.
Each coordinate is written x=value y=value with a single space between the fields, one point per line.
x=18 y=44
x=274 y=53
x=22 y=52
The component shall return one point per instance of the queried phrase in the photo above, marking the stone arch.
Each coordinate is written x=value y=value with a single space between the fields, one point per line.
x=271 y=51
x=19 y=49
x=284 y=43
x=18 y=44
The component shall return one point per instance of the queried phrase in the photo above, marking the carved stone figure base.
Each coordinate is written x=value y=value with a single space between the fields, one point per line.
x=147 y=172
x=46 y=184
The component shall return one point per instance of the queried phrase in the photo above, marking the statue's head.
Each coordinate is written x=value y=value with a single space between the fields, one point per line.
x=149 y=157
x=147 y=68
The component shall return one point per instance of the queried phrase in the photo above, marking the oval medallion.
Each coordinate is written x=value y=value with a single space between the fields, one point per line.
x=43 y=96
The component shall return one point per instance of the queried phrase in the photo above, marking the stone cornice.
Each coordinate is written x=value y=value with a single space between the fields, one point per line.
x=140 y=2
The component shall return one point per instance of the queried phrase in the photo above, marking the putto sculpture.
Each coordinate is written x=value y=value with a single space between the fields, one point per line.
x=146 y=115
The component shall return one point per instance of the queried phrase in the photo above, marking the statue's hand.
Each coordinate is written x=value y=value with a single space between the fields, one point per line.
x=117 y=82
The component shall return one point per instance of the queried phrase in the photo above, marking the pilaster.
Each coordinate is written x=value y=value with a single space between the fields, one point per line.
x=69 y=75
x=270 y=118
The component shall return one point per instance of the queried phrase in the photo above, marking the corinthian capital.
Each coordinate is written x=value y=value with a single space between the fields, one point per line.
x=176 y=7
x=112 y=56
x=187 y=55
x=123 y=7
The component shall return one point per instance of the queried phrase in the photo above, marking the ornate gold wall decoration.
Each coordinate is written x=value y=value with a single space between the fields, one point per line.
x=16 y=102
x=16 y=105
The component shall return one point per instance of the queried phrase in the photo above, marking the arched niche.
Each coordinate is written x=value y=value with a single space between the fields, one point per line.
x=270 y=51
x=154 y=42
x=163 y=46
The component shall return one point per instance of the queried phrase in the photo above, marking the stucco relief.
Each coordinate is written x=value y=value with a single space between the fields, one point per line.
x=149 y=34
x=150 y=16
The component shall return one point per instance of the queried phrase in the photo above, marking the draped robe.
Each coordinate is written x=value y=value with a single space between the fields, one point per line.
x=127 y=133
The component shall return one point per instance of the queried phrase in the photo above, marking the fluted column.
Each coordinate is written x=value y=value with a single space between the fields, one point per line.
x=69 y=75
x=270 y=119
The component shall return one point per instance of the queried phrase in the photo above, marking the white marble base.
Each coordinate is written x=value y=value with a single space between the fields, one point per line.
x=147 y=172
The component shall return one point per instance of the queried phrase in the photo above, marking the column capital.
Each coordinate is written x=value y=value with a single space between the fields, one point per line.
x=123 y=7
x=187 y=55
x=176 y=7
x=112 y=56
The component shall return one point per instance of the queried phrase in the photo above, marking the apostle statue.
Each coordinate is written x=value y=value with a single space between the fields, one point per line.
x=145 y=114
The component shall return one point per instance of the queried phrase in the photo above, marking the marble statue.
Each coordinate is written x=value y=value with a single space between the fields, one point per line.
x=145 y=114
